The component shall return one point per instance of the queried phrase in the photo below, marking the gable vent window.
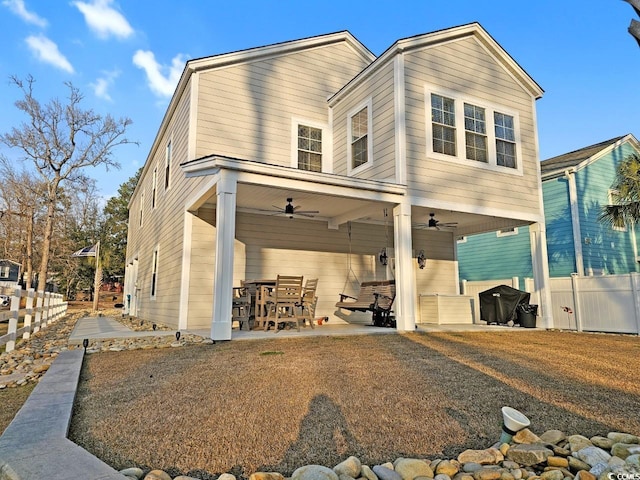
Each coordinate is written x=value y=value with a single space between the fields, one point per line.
x=309 y=148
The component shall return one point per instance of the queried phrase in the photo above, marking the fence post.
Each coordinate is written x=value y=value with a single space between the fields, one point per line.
x=45 y=309
x=38 y=323
x=576 y=300
x=635 y=288
x=29 y=313
x=13 y=320
x=463 y=284
x=515 y=283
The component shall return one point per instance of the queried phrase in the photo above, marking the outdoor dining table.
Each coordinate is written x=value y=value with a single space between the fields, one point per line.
x=259 y=290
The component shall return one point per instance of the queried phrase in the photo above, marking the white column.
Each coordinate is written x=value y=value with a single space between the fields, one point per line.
x=223 y=269
x=186 y=271
x=575 y=221
x=406 y=293
x=540 y=263
x=29 y=314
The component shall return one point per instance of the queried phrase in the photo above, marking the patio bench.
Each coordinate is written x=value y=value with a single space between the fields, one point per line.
x=375 y=297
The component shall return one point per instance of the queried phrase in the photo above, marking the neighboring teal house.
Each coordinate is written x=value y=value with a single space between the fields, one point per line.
x=575 y=187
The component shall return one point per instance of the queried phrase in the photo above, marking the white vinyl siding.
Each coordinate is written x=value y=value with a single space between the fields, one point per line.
x=465 y=69
x=244 y=111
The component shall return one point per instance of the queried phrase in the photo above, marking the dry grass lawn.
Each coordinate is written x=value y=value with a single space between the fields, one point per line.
x=275 y=405
x=11 y=400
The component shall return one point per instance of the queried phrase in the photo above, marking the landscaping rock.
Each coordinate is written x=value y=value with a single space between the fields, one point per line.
x=132 y=472
x=350 y=467
x=447 y=467
x=619 y=437
x=592 y=455
x=366 y=473
x=266 y=476
x=578 y=442
x=529 y=454
x=314 y=472
x=602 y=442
x=385 y=473
x=157 y=475
x=489 y=456
x=410 y=468
x=576 y=464
x=623 y=450
x=526 y=436
x=554 y=437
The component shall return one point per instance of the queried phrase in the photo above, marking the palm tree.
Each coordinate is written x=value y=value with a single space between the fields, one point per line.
x=625 y=195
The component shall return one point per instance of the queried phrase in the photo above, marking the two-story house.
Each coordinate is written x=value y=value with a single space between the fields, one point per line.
x=440 y=127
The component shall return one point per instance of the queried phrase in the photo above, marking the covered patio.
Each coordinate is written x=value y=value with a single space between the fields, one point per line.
x=350 y=221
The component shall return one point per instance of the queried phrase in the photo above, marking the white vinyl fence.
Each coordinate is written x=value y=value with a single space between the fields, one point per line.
x=48 y=308
x=607 y=303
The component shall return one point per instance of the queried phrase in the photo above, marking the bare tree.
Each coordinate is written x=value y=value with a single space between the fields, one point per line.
x=62 y=140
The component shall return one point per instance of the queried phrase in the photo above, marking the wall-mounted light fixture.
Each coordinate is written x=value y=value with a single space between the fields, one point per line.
x=422 y=259
x=383 y=256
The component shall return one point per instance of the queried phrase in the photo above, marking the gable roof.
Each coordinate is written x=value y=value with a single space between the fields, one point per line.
x=447 y=35
x=6 y=260
x=579 y=159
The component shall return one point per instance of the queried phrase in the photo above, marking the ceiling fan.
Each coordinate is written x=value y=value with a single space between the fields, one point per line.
x=433 y=223
x=289 y=210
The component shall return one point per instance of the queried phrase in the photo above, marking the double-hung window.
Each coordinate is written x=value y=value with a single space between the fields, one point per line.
x=472 y=132
x=443 y=116
x=154 y=273
x=4 y=272
x=475 y=133
x=360 y=142
x=154 y=187
x=309 y=148
x=167 y=166
x=505 y=140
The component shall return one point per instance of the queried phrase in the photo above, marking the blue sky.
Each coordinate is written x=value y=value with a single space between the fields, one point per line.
x=126 y=56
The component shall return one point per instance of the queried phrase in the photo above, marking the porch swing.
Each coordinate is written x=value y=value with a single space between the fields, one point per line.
x=375 y=296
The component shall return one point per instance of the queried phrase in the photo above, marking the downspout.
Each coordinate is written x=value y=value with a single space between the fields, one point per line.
x=570 y=175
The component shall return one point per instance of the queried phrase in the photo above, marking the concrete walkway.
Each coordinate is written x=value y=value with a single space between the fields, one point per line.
x=106 y=328
x=35 y=443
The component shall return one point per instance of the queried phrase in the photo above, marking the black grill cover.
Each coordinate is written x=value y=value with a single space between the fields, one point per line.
x=498 y=304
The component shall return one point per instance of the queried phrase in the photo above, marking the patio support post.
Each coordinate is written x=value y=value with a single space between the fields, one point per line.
x=223 y=268
x=406 y=292
x=540 y=262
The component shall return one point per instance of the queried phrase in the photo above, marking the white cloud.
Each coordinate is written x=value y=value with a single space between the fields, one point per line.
x=102 y=84
x=18 y=7
x=161 y=84
x=104 y=20
x=47 y=51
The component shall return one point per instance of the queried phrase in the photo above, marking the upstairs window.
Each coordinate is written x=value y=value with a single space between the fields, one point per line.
x=359 y=133
x=4 y=272
x=505 y=140
x=309 y=148
x=154 y=185
x=167 y=166
x=460 y=130
x=443 y=116
x=475 y=132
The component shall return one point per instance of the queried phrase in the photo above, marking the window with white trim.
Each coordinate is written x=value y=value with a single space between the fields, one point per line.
x=167 y=165
x=507 y=232
x=4 y=272
x=613 y=195
x=505 y=140
x=309 y=148
x=154 y=187
x=360 y=141
x=141 y=208
x=154 y=273
x=443 y=116
x=461 y=131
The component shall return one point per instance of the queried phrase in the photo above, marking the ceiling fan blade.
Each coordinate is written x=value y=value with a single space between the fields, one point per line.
x=306 y=211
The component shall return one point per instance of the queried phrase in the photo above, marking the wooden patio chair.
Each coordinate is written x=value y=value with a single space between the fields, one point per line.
x=241 y=307
x=309 y=300
x=285 y=301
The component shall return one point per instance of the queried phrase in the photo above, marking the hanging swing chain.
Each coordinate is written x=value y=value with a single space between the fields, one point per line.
x=349 y=268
